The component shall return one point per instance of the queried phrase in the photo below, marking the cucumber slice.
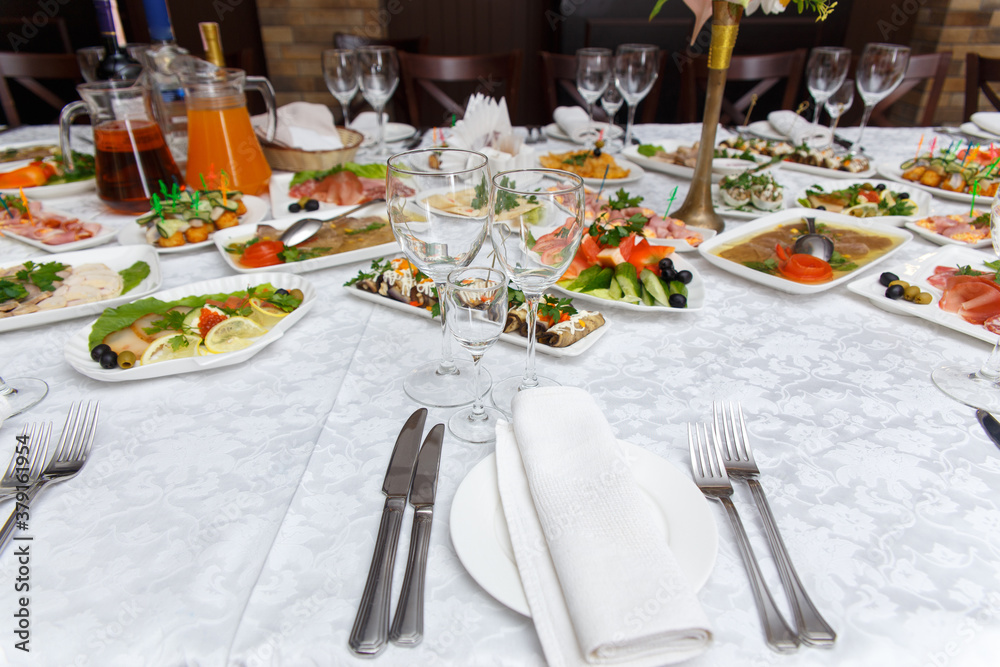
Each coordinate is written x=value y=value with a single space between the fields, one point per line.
x=654 y=288
x=615 y=291
x=647 y=299
x=601 y=281
x=627 y=279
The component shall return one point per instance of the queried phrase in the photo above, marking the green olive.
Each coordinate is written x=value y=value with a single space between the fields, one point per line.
x=297 y=294
x=910 y=293
x=901 y=283
x=923 y=298
x=126 y=359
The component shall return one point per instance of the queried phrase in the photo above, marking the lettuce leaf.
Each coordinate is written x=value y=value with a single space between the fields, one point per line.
x=361 y=170
x=133 y=275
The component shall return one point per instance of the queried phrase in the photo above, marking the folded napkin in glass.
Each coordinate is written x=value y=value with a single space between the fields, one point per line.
x=799 y=130
x=598 y=574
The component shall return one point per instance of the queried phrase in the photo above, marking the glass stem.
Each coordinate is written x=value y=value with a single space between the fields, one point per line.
x=817 y=105
x=991 y=369
x=381 y=143
x=861 y=130
x=347 y=112
x=478 y=409
x=590 y=114
x=530 y=379
x=628 y=128
x=446 y=366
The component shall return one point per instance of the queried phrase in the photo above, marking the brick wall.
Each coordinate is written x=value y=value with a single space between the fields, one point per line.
x=958 y=26
x=296 y=32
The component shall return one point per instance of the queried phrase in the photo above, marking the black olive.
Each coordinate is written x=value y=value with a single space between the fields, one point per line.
x=895 y=292
x=669 y=276
x=887 y=278
x=821 y=208
x=666 y=265
x=312 y=205
x=677 y=301
x=685 y=276
x=294 y=207
x=597 y=152
x=281 y=290
x=903 y=195
x=98 y=350
x=880 y=187
x=109 y=359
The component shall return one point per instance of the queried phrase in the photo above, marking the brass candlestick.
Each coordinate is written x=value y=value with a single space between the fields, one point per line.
x=697 y=209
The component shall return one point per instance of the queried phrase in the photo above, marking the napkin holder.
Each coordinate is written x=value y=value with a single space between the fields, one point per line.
x=285 y=158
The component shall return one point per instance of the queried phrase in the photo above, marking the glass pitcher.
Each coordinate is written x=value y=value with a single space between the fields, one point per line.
x=130 y=155
x=220 y=135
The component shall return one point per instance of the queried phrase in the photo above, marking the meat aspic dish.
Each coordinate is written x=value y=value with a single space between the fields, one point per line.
x=334 y=237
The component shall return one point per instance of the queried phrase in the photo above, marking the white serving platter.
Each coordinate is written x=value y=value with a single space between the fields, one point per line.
x=135 y=234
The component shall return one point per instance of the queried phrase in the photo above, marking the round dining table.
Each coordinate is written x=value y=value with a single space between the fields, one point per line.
x=227 y=517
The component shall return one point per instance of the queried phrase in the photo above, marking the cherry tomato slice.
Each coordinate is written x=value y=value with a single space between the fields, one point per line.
x=262 y=253
x=806 y=269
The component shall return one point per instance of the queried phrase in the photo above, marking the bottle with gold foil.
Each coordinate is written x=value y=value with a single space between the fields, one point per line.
x=212 y=43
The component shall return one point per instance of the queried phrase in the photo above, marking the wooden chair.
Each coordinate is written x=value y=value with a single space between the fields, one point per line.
x=933 y=66
x=559 y=73
x=979 y=72
x=26 y=69
x=421 y=74
x=766 y=69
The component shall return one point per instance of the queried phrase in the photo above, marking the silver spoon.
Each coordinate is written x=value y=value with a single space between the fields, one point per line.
x=814 y=244
x=306 y=228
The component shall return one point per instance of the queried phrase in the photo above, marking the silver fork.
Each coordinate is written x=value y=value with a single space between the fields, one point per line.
x=24 y=471
x=734 y=442
x=710 y=476
x=69 y=458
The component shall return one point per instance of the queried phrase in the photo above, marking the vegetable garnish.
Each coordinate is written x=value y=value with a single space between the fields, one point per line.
x=507 y=201
x=482 y=195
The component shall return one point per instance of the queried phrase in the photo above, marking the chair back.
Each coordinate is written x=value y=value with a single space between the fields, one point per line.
x=766 y=69
x=27 y=69
x=422 y=74
x=932 y=66
x=979 y=72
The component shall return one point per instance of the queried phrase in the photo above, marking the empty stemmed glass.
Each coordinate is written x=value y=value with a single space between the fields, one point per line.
x=536 y=223
x=20 y=394
x=635 y=73
x=611 y=102
x=978 y=388
x=593 y=74
x=880 y=71
x=825 y=72
x=378 y=76
x=838 y=103
x=477 y=312
x=340 y=71
x=439 y=216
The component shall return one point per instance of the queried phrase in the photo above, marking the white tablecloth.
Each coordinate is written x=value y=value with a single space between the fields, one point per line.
x=228 y=517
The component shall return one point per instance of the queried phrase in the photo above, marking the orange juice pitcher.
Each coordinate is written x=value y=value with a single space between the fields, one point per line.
x=223 y=150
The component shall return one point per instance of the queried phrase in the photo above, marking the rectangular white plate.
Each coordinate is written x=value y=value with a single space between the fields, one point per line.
x=918 y=196
x=134 y=234
x=896 y=174
x=720 y=166
x=774 y=219
x=104 y=236
x=696 y=293
x=225 y=237
x=281 y=181
x=574 y=350
x=940 y=239
x=116 y=258
x=77 y=352
x=916 y=272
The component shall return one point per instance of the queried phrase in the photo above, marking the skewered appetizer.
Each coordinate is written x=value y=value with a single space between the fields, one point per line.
x=825 y=158
x=959 y=171
x=185 y=217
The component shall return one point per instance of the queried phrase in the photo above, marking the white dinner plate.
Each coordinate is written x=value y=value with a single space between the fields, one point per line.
x=53 y=191
x=940 y=239
x=746 y=213
x=115 y=258
x=135 y=234
x=895 y=173
x=766 y=222
x=280 y=199
x=482 y=542
x=556 y=132
x=635 y=172
x=919 y=197
x=77 y=352
x=916 y=272
x=574 y=350
x=720 y=166
x=243 y=233
x=393 y=132
x=104 y=236
x=695 y=299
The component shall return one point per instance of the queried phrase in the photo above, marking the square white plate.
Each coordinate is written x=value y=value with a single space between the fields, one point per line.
x=720 y=166
x=775 y=219
x=940 y=239
x=104 y=236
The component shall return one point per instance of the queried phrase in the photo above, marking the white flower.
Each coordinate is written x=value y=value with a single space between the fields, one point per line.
x=769 y=6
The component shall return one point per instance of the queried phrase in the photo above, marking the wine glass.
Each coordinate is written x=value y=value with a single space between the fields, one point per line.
x=89 y=57
x=477 y=313
x=839 y=102
x=635 y=73
x=19 y=395
x=340 y=71
x=439 y=216
x=611 y=102
x=378 y=76
x=976 y=388
x=593 y=74
x=536 y=223
x=825 y=72
x=880 y=71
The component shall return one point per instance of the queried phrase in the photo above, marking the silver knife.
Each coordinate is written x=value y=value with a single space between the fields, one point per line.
x=990 y=425
x=371 y=625
x=408 y=625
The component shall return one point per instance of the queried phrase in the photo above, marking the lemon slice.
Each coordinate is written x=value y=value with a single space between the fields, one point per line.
x=178 y=346
x=866 y=210
x=265 y=314
x=234 y=334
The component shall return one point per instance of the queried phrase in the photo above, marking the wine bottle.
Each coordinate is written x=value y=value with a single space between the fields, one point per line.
x=116 y=64
x=212 y=43
x=166 y=91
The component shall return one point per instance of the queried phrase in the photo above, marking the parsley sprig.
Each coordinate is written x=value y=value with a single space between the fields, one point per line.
x=482 y=195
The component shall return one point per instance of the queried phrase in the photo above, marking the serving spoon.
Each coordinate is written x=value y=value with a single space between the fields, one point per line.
x=306 y=228
x=814 y=244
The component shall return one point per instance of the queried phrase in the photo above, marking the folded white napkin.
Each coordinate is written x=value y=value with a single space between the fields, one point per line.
x=573 y=121
x=799 y=130
x=303 y=125
x=484 y=120
x=987 y=120
x=598 y=574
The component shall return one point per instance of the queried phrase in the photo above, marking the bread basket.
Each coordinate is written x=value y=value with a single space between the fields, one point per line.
x=283 y=158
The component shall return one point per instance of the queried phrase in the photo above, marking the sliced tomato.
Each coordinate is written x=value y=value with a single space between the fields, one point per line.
x=578 y=264
x=869 y=195
x=646 y=256
x=262 y=253
x=589 y=247
x=32 y=175
x=805 y=269
x=627 y=244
